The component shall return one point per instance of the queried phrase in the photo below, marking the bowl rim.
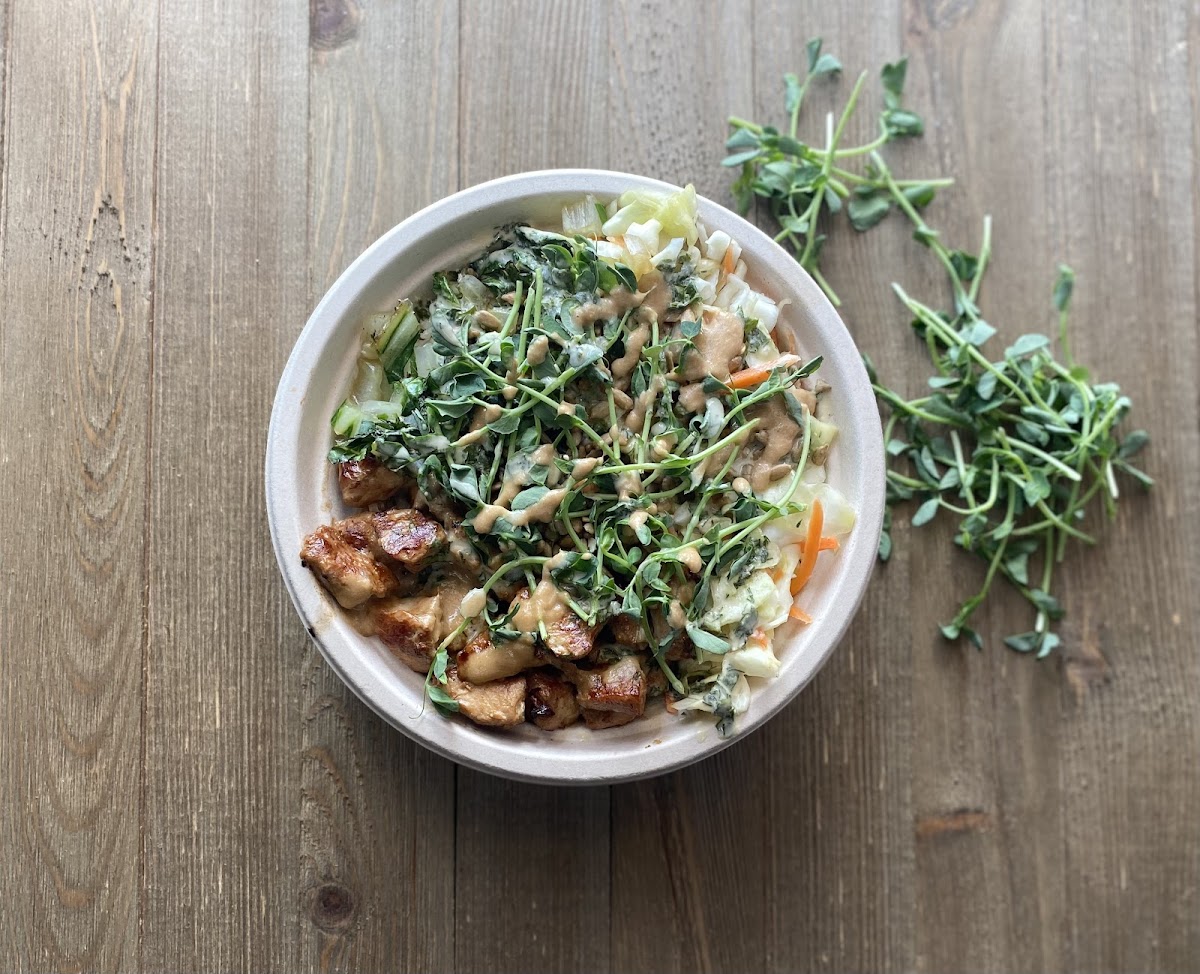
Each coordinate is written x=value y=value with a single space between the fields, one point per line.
x=481 y=748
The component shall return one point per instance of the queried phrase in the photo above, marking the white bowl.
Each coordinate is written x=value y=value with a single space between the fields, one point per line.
x=301 y=491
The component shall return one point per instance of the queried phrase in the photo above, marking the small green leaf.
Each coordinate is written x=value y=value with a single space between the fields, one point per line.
x=441 y=699
x=986 y=385
x=1133 y=443
x=528 y=497
x=925 y=512
x=792 y=88
x=893 y=76
x=1026 y=345
x=920 y=195
x=977 y=332
x=741 y=157
x=689 y=329
x=813 y=52
x=866 y=213
x=1063 y=287
x=705 y=640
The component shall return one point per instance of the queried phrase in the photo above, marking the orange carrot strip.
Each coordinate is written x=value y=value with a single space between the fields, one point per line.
x=727 y=262
x=812 y=545
x=800 y=615
x=827 y=543
x=749 y=377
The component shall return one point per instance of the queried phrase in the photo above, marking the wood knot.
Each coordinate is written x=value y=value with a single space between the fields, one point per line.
x=331 y=907
x=332 y=23
x=944 y=14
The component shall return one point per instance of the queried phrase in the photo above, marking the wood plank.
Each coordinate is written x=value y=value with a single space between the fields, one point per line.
x=223 y=672
x=375 y=806
x=988 y=825
x=75 y=281
x=708 y=896
x=1131 y=733
x=837 y=771
x=532 y=867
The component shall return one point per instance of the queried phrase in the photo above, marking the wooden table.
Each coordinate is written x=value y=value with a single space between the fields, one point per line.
x=184 y=784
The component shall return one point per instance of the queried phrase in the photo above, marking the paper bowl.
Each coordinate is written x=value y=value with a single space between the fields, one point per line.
x=301 y=492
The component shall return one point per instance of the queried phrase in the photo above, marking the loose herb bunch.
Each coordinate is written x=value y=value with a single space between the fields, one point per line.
x=494 y=415
x=1018 y=449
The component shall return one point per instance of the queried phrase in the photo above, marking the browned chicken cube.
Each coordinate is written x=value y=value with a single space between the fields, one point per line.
x=409 y=537
x=367 y=481
x=340 y=555
x=500 y=703
x=410 y=627
x=550 y=700
x=567 y=635
x=627 y=630
x=603 y=719
x=483 y=659
x=618 y=688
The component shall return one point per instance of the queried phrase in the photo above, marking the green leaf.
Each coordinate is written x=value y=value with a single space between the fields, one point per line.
x=792 y=89
x=920 y=195
x=1018 y=567
x=689 y=329
x=925 y=512
x=977 y=332
x=866 y=212
x=741 y=157
x=528 y=497
x=893 y=76
x=1026 y=345
x=885 y=546
x=1037 y=488
x=442 y=699
x=813 y=51
x=826 y=64
x=986 y=385
x=1132 y=444
x=901 y=122
x=705 y=640
x=1063 y=286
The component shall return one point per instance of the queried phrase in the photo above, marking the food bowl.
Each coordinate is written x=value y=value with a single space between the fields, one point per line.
x=301 y=490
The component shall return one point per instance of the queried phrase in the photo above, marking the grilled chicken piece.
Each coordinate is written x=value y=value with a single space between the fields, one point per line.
x=627 y=630
x=367 y=481
x=603 y=719
x=567 y=635
x=340 y=555
x=616 y=689
x=500 y=703
x=550 y=700
x=410 y=627
x=409 y=537
x=482 y=660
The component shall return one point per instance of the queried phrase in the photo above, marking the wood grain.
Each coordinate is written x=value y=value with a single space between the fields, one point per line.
x=75 y=281
x=223 y=719
x=185 y=785
x=532 y=865
x=377 y=813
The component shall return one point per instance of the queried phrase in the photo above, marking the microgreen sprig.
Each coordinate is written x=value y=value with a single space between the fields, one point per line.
x=1016 y=448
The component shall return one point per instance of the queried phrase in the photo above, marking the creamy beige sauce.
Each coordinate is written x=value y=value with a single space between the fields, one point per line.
x=629 y=485
x=472 y=603
x=638 y=519
x=693 y=397
x=581 y=468
x=663 y=446
x=689 y=557
x=635 y=341
x=545 y=605
x=636 y=417
x=509 y=392
x=536 y=353
x=474 y=436
x=776 y=434
x=657 y=293
x=488 y=320
x=538 y=512
x=741 y=485
x=718 y=347
x=566 y=409
x=676 y=617
x=617 y=303
x=492 y=412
